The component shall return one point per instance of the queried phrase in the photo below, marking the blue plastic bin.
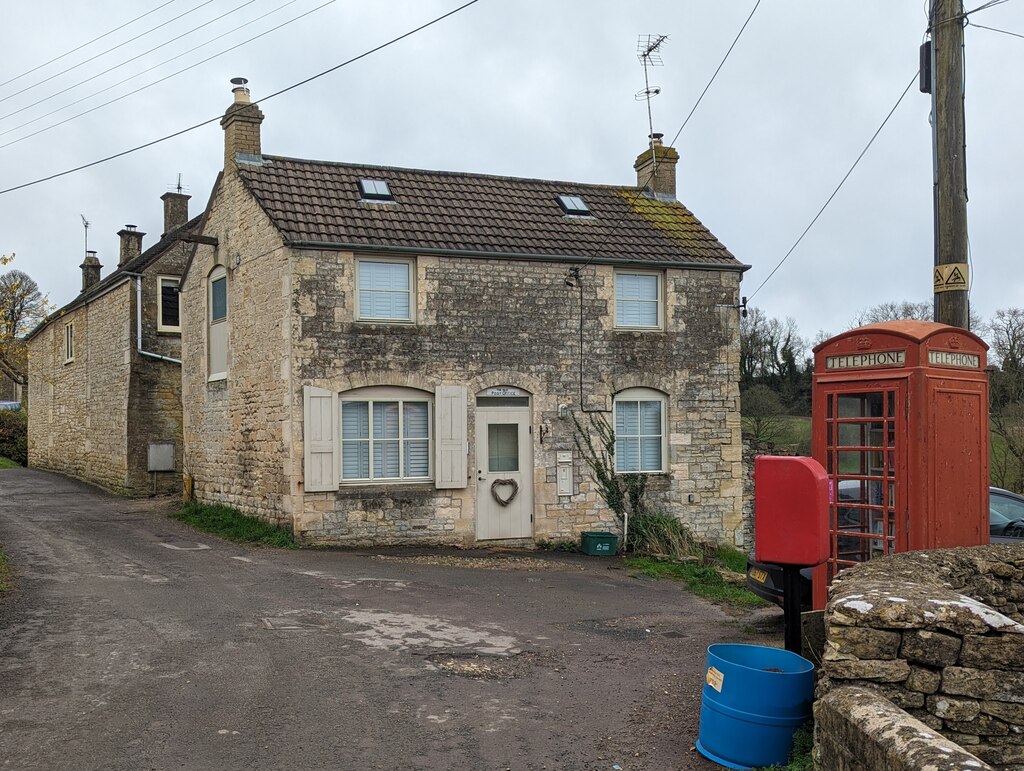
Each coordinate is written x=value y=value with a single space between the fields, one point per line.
x=754 y=699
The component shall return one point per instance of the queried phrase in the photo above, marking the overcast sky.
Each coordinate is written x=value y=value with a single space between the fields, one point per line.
x=533 y=88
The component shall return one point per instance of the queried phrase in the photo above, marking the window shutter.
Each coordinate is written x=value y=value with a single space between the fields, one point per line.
x=320 y=429
x=451 y=441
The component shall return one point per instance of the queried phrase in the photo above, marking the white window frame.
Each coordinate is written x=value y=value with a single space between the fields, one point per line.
x=410 y=265
x=160 y=326
x=643 y=395
x=218 y=273
x=660 y=299
x=380 y=394
x=69 y=342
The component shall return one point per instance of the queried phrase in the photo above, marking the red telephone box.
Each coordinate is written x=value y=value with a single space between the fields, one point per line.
x=900 y=423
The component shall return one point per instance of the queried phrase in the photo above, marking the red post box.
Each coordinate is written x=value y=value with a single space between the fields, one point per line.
x=791 y=498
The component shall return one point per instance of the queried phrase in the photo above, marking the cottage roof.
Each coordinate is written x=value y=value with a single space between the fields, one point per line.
x=122 y=272
x=318 y=204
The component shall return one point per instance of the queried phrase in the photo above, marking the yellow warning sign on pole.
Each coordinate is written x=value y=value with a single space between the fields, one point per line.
x=951 y=277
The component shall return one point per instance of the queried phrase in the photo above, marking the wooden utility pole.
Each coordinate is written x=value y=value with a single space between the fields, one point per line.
x=951 y=276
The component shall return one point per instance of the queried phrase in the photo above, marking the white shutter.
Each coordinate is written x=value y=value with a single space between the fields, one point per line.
x=450 y=405
x=320 y=429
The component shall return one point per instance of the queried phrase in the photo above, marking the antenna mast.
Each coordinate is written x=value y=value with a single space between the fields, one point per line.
x=85 y=225
x=649 y=53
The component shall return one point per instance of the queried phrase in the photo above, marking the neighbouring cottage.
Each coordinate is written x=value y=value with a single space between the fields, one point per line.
x=379 y=355
x=105 y=370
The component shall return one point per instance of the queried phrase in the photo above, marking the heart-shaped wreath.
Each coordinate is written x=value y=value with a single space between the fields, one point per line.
x=504 y=483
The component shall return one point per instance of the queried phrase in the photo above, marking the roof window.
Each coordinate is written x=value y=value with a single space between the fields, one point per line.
x=375 y=190
x=573 y=204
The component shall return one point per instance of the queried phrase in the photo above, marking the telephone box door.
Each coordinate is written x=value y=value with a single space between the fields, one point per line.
x=861 y=440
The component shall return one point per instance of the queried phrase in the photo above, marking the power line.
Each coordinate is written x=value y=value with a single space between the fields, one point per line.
x=838 y=187
x=154 y=67
x=216 y=118
x=993 y=29
x=715 y=75
x=83 y=45
x=641 y=188
x=128 y=61
x=104 y=53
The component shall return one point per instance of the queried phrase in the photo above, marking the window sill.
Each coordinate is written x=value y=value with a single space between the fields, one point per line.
x=217 y=378
x=646 y=330
x=176 y=331
x=386 y=322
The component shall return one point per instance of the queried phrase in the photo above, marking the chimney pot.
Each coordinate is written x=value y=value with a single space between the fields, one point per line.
x=131 y=244
x=241 y=124
x=90 y=270
x=656 y=169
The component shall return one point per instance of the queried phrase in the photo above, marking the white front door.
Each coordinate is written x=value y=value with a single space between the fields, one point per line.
x=504 y=461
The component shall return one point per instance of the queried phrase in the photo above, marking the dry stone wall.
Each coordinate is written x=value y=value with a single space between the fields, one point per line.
x=939 y=634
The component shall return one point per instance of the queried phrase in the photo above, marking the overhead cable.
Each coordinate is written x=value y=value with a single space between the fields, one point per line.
x=216 y=118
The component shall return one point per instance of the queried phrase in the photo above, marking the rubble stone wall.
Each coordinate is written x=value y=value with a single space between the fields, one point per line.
x=939 y=634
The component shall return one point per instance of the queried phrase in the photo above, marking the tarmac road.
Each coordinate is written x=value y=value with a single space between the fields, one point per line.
x=132 y=642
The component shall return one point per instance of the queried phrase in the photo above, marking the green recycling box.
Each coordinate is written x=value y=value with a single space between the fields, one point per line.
x=598 y=544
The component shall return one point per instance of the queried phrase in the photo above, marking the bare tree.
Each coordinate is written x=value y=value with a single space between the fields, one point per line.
x=895 y=310
x=1006 y=332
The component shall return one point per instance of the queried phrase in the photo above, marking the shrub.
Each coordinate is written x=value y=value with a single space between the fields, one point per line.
x=14 y=436
x=659 y=535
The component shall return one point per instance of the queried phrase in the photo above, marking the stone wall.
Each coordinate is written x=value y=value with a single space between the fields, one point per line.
x=235 y=428
x=78 y=420
x=858 y=730
x=940 y=635
x=485 y=323
x=155 y=389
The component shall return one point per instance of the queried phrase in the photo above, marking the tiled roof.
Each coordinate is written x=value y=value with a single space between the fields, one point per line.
x=134 y=265
x=318 y=203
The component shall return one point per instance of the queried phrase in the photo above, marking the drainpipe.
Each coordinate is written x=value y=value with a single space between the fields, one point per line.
x=138 y=325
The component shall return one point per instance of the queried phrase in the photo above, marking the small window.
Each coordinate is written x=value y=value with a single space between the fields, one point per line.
x=168 y=317
x=217 y=327
x=638 y=300
x=69 y=343
x=573 y=204
x=375 y=190
x=386 y=438
x=639 y=415
x=385 y=290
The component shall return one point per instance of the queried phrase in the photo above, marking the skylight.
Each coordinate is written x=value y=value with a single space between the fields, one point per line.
x=375 y=189
x=573 y=204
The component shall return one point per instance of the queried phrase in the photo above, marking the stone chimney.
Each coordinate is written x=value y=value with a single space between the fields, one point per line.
x=90 y=271
x=241 y=124
x=175 y=210
x=656 y=169
x=131 y=244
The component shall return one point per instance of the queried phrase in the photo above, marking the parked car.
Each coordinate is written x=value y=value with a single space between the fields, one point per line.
x=1005 y=516
x=10 y=406
x=1006 y=525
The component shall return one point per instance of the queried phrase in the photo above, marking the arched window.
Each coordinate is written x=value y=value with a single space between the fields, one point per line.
x=217 y=323
x=640 y=431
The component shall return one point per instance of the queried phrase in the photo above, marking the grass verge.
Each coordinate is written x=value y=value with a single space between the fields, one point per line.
x=8 y=463
x=701 y=576
x=800 y=756
x=5 y=574
x=231 y=524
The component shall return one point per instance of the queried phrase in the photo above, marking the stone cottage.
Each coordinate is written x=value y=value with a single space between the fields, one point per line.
x=105 y=370
x=379 y=355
